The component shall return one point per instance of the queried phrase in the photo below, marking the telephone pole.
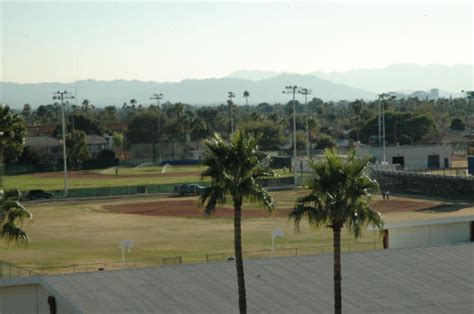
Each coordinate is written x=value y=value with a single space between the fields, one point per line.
x=306 y=92
x=231 y=95
x=292 y=90
x=157 y=97
x=61 y=95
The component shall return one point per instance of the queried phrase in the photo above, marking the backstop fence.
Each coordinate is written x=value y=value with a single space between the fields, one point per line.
x=426 y=184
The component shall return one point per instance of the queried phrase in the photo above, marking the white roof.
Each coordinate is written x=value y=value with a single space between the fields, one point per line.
x=434 y=221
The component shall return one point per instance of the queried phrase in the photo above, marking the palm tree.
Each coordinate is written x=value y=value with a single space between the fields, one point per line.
x=12 y=135
x=339 y=198
x=11 y=212
x=235 y=169
x=246 y=96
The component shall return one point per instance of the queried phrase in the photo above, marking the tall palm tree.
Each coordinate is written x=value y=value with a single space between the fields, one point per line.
x=11 y=212
x=246 y=96
x=235 y=169
x=339 y=198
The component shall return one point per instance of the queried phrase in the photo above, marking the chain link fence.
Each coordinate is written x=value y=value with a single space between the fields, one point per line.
x=12 y=271
x=425 y=184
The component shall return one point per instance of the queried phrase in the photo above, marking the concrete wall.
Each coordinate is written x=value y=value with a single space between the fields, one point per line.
x=28 y=299
x=427 y=235
x=415 y=156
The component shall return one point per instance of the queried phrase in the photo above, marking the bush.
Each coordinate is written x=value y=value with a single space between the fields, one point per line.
x=106 y=154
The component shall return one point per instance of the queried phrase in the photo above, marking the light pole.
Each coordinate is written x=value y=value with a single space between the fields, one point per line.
x=61 y=95
x=306 y=92
x=157 y=97
x=292 y=90
x=382 y=98
x=231 y=95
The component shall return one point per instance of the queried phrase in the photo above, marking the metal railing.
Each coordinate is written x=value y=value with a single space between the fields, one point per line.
x=204 y=258
x=8 y=270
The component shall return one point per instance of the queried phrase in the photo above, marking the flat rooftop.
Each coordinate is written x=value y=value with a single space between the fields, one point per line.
x=423 y=280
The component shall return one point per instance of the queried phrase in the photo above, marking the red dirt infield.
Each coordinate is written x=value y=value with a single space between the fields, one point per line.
x=188 y=209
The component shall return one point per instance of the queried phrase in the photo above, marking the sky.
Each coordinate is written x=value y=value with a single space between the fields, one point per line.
x=171 y=41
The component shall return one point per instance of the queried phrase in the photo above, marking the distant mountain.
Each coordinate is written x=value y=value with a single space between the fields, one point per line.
x=253 y=75
x=396 y=77
x=196 y=92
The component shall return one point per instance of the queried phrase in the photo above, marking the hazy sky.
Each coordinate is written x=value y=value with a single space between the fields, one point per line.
x=164 y=41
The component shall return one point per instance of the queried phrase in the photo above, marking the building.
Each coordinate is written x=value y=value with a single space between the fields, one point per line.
x=423 y=280
x=410 y=156
x=430 y=232
x=48 y=148
x=96 y=143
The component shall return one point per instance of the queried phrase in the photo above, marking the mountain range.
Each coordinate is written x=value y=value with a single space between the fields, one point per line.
x=196 y=91
x=264 y=86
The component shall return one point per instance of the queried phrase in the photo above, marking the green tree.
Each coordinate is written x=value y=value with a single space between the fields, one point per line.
x=86 y=106
x=235 y=169
x=246 y=96
x=325 y=141
x=269 y=135
x=339 y=198
x=76 y=147
x=27 y=112
x=108 y=115
x=143 y=128
x=12 y=136
x=457 y=125
x=12 y=212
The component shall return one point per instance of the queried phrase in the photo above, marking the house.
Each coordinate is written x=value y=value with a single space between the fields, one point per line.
x=436 y=279
x=48 y=148
x=429 y=156
x=96 y=143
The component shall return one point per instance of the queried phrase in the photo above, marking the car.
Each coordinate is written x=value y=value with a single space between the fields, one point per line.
x=189 y=189
x=38 y=194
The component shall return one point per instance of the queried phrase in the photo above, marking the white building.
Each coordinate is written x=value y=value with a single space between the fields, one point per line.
x=410 y=156
x=431 y=232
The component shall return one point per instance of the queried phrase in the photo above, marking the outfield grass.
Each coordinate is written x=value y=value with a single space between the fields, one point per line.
x=67 y=233
x=107 y=178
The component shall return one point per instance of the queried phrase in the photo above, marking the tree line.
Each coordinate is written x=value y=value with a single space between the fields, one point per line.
x=407 y=121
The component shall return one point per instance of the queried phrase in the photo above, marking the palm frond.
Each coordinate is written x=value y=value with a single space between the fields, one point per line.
x=12 y=233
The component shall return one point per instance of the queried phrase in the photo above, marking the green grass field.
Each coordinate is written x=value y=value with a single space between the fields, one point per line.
x=107 y=178
x=66 y=233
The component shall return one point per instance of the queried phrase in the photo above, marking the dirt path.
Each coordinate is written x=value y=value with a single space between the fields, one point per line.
x=188 y=208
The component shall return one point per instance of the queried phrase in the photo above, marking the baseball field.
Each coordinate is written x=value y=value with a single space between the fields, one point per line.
x=67 y=233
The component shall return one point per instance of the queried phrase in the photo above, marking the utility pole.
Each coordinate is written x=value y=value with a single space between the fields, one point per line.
x=157 y=97
x=306 y=92
x=61 y=95
x=292 y=90
x=231 y=95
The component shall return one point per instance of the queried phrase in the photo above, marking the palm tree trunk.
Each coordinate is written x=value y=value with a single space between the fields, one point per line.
x=238 y=254
x=337 y=270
